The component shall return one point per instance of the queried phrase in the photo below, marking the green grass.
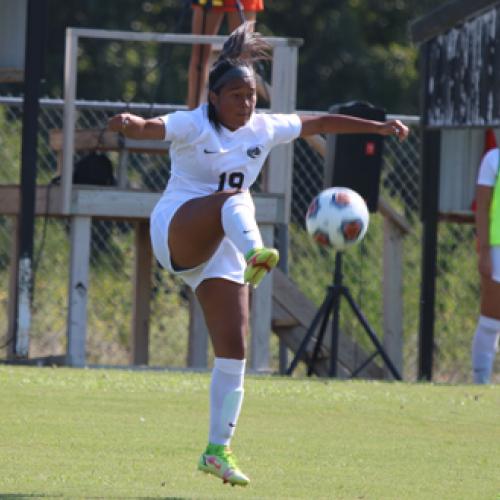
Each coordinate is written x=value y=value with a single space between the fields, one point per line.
x=71 y=433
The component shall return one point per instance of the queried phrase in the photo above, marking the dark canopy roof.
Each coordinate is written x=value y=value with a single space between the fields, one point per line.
x=447 y=16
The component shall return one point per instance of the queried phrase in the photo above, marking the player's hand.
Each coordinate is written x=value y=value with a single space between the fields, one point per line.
x=119 y=123
x=484 y=263
x=396 y=128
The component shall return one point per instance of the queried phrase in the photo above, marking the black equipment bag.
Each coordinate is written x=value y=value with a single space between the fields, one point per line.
x=95 y=169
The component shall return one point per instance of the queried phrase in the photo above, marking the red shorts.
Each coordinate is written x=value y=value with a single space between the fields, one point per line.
x=230 y=5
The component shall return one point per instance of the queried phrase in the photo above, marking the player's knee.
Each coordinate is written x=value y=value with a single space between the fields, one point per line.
x=487 y=335
x=236 y=197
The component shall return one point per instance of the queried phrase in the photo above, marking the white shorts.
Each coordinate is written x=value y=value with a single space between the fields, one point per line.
x=495 y=263
x=227 y=261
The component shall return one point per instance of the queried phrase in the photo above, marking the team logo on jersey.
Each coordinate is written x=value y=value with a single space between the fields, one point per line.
x=254 y=152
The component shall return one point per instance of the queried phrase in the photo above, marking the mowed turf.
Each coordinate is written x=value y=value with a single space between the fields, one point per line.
x=68 y=433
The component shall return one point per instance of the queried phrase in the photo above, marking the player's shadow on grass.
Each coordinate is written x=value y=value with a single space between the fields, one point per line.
x=43 y=495
x=137 y=498
x=28 y=495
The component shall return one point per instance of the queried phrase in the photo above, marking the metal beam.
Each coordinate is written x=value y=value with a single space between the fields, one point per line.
x=35 y=43
x=430 y=195
x=133 y=36
x=429 y=188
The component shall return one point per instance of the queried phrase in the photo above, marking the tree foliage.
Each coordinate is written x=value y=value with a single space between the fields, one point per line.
x=353 y=50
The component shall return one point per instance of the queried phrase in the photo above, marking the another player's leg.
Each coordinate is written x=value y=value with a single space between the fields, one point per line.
x=225 y=307
x=204 y=22
x=234 y=18
x=486 y=338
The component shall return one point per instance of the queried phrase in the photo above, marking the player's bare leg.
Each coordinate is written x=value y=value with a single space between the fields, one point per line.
x=225 y=308
x=199 y=225
x=486 y=337
x=490 y=298
x=196 y=230
x=234 y=18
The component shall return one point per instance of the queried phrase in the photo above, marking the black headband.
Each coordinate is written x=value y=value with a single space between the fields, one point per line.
x=232 y=73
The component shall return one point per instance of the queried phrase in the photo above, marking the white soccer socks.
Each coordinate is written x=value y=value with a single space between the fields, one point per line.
x=484 y=348
x=226 y=397
x=239 y=224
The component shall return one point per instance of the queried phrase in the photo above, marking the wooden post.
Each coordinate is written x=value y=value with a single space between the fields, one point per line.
x=393 y=295
x=121 y=176
x=141 y=295
x=261 y=312
x=283 y=96
x=279 y=174
x=78 y=290
x=69 y=117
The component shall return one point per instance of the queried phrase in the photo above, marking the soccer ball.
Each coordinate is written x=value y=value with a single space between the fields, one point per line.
x=337 y=217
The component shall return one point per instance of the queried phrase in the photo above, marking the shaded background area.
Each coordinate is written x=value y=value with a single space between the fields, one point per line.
x=352 y=49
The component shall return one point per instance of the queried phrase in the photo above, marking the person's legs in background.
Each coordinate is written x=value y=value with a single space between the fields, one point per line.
x=234 y=18
x=205 y=22
x=486 y=337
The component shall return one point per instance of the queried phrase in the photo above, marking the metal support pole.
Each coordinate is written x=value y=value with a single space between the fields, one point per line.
x=430 y=166
x=337 y=280
x=69 y=117
x=430 y=194
x=33 y=67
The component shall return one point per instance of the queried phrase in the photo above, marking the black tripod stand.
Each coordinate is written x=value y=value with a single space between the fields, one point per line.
x=331 y=303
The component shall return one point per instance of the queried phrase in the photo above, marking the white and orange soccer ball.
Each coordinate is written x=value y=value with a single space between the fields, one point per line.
x=338 y=218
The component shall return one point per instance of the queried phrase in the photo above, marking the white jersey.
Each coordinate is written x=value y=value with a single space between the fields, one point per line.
x=488 y=170
x=205 y=160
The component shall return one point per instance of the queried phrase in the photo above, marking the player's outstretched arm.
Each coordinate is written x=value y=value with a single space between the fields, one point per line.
x=135 y=127
x=345 y=124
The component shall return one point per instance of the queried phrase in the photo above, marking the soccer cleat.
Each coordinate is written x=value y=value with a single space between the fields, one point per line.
x=259 y=262
x=219 y=461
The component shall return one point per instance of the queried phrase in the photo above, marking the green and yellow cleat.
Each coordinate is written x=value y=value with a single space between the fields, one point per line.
x=259 y=262
x=219 y=461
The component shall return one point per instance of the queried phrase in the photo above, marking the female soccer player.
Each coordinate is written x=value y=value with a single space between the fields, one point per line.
x=485 y=343
x=203 y=229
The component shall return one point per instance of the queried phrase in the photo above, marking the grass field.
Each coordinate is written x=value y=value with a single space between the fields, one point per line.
x=67 y=433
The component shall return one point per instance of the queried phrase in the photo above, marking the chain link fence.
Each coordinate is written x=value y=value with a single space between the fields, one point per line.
x=110 y=292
